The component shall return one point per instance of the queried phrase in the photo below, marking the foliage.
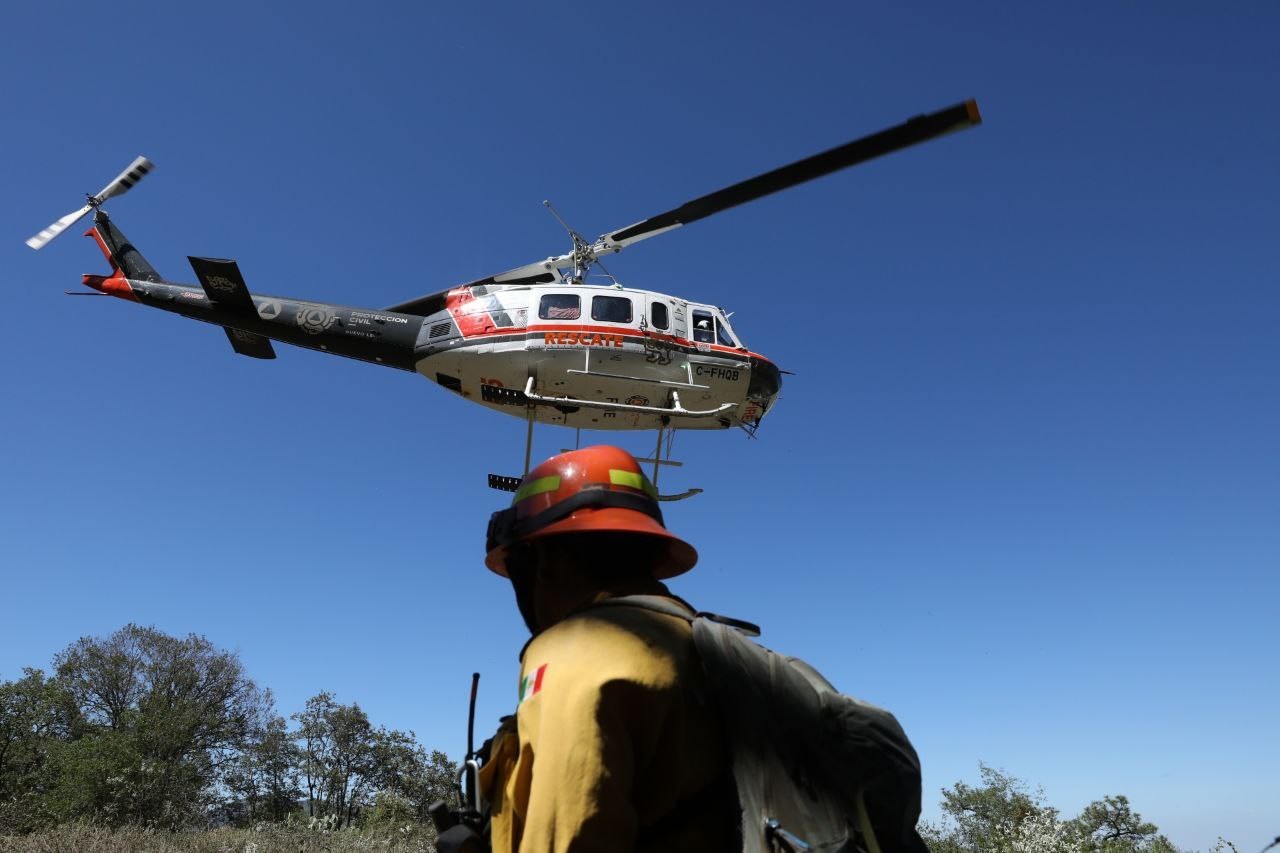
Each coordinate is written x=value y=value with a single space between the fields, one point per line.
x=1109 y=825
x=263 y=782
x=338 y=750
x=987 y=817
x=1042 y=832
x=166 y=734
x=1003 y=815
x=347 y=763
x=160 y=719
x=35 y=716
x=260 y=838
x=143 y=741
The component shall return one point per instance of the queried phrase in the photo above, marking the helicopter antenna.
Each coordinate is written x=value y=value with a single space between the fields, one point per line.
x=606 y=272
x=583 y=257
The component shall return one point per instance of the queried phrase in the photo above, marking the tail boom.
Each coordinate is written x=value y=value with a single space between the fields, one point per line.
x=223 y=299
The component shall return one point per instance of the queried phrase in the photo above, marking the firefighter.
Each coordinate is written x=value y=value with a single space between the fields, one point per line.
x=615 y=744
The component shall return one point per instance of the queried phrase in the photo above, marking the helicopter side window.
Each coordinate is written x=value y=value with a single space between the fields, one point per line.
x=723 y=336
x=658 y=316
x=560 y=306
x=703 y=326
x=611 y=309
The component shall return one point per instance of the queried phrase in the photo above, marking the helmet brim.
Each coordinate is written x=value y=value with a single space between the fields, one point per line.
x=678 y=557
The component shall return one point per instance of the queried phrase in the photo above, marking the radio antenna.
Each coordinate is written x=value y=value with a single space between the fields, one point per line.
x=583 y=257
x=470 y=763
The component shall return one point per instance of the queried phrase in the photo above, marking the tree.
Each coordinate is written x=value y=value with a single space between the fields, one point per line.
x=1109 y=825
x=411 y=775
x=1002 y=815
x=35 y=716
x=348 y=765
x=142 y=728
x=339 y=764
x=265 y=780
x=162 y=717
x=987 y=817
x=1044 y=833
x=437 y=781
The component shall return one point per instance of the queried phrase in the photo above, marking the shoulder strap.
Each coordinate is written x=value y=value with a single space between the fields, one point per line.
x=656 y=603
x=673 y=607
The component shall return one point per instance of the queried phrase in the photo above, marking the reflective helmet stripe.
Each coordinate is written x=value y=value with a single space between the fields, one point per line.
x=536 y=487
x=633 y=480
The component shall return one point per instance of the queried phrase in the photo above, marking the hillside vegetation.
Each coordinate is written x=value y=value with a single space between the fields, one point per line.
x=154 y=734
x=141 y=741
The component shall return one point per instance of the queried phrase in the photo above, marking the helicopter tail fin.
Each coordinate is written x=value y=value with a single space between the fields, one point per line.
x=120 y=253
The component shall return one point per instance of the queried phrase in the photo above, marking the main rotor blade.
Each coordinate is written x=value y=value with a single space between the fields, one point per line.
x=916 y=130
x=911 y=132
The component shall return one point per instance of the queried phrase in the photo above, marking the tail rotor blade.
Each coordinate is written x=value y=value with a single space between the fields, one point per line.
x=125 y=180
x=58 y=227
x=122 y=184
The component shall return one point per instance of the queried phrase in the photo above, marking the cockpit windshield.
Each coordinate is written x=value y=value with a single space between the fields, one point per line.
x=711 y=326
x=724 y=335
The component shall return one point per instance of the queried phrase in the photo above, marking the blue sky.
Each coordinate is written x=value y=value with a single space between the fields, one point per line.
x=1023 y=488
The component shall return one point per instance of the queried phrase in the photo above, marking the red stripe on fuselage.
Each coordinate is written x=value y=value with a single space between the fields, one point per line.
x=633 y=334
x=480 y=324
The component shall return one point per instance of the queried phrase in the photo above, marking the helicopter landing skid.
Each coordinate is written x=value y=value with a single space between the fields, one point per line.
x=504 y=483
x=681 y=496
x=675 y=409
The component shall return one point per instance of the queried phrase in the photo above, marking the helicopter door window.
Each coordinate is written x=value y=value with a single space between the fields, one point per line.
x=703 y=327
x=560 y=306
x=658 y=316
x=724 y=337
x=611 y=309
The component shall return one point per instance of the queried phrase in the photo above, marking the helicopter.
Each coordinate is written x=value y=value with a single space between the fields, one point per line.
x=538 y=341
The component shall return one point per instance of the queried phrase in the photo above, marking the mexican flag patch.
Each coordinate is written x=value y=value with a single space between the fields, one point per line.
x=532 y=683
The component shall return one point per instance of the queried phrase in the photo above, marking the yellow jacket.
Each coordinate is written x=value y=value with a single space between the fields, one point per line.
x=615 y=744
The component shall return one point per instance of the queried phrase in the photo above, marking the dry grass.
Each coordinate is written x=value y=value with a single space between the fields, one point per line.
x=268 y=838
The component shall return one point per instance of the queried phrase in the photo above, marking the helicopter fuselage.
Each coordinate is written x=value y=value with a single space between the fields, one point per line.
x=596 y=357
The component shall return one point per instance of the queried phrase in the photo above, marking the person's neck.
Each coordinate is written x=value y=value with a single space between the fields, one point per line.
x=569 y=600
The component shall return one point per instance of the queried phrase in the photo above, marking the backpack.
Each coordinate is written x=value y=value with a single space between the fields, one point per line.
x=815 y=770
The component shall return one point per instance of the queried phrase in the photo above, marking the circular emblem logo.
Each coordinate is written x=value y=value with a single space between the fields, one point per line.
x=315 y=320
x=269 y=309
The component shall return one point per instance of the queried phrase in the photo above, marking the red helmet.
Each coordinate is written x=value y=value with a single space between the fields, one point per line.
x=596 y=489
